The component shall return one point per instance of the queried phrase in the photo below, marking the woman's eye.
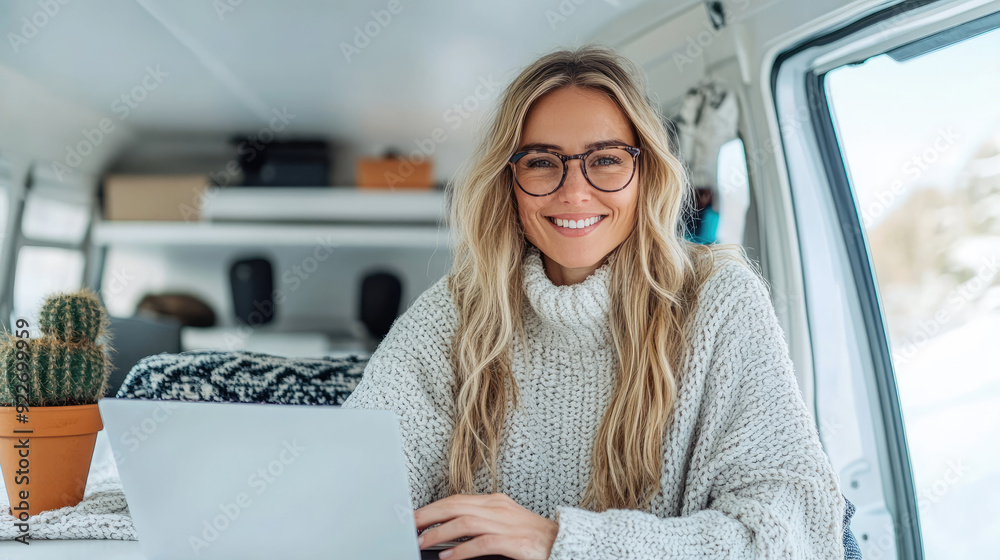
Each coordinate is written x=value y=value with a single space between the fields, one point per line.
x=607 y=160
x=539 y=163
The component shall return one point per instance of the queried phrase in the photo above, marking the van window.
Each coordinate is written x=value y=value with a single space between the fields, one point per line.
x=42 y=271
x=921 y=140
x=51 y=215
x=734 y=192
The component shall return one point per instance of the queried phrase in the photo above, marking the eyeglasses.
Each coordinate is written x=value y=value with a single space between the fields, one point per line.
x=541 y=172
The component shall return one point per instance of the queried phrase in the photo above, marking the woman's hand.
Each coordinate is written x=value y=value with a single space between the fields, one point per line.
x=498 y=523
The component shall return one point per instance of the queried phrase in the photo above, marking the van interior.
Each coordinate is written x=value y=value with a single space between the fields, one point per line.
x=274 y=177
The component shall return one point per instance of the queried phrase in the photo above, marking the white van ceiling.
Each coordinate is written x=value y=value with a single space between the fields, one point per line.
x=214 y=69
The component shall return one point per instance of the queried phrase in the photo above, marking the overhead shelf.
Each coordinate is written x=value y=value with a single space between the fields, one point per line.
x=122 y=233
x=295 y=216
x=323 y=204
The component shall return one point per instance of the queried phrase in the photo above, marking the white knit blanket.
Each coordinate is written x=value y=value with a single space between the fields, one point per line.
x=103 y=513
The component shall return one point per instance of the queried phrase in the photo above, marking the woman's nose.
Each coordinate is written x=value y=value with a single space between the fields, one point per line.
x=576 y=184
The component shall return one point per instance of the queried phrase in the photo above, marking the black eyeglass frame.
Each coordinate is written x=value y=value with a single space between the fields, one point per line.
x=583 y=166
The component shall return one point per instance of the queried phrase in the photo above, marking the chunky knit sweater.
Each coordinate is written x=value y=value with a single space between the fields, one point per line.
x=744 y=474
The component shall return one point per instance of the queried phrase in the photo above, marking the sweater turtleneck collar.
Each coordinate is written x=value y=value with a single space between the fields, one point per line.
x=577 y=314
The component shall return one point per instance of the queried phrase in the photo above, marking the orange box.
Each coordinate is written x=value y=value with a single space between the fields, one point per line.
x=153 y=197
x=393 y=173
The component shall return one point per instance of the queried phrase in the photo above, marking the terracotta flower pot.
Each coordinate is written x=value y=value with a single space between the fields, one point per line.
x=60 y=447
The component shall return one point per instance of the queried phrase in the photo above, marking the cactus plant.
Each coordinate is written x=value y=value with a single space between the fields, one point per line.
x=73 y=317
x=66 y=366
x=64 y=372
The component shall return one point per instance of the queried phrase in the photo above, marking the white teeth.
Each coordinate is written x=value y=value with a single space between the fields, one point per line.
x=576 y=224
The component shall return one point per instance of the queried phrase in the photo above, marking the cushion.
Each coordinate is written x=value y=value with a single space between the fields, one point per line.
x=242 y=376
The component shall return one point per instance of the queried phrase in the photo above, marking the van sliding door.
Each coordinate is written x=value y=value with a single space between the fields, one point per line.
x=891 y=137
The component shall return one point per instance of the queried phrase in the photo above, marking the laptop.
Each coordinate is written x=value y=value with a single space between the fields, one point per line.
x=214 y=481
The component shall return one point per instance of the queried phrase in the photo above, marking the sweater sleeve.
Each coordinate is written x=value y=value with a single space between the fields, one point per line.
x=772 y=491
x=410 y=374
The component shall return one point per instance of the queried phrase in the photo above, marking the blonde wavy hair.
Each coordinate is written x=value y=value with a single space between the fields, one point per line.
x=655 y=277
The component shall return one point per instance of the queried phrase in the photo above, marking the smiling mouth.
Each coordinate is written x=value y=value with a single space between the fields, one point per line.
x=576 y=224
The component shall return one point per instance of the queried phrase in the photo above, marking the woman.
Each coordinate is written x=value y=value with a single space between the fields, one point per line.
x=599 y=388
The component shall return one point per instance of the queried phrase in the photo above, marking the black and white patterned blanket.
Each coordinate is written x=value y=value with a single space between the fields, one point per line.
x=241 y=376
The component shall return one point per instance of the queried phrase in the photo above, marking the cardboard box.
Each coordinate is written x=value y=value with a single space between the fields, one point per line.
x=393 y=173
x=153 y=197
